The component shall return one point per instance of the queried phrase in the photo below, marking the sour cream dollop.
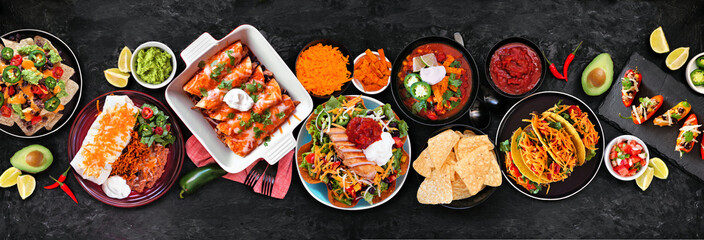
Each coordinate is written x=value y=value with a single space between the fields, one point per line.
x=380 y=151
x=116 y=187
x=432 y=75
x=238 y=99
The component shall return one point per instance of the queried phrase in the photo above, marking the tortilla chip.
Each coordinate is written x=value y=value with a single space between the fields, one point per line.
x=68 y=72
x=423 y=165
x=38 y=40
x=459 y=189
x=468 y=133
x=448 y=167
x=23 y=43
x=384 y=194
x=299 y=160
x=436 y=189
x=52 y=119
x=10 y=44
x=7 y=121
x=28 y=130
x=336 y=203
x=440 y=146
x=473 y=170
x=467 y=145
x=71 y=89
x=493 y=176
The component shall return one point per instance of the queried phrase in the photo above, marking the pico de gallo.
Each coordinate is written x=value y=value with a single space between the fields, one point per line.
x=627 y=157
x=330 y=158
x=434 y=81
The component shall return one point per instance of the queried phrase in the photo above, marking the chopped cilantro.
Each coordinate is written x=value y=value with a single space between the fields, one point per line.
x=203 y=92
x=231 y=115
x=257 y=132
x=505 y=146
x=226 y=84
x=280 y=115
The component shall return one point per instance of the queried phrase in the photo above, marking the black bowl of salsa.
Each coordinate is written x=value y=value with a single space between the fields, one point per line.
x=515 y=67
x=450 y=98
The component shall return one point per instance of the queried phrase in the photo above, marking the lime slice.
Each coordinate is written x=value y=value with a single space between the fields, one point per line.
x=659 y=168
x=123 y=63
x=429 y=60
x=676 y=59
x=116 y=77
x=644 y=180
x=658 y=42
x=9 y=177
x=417 y=64
x=26 y=185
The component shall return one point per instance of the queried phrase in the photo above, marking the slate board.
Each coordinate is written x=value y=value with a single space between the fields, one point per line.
x=660 y=140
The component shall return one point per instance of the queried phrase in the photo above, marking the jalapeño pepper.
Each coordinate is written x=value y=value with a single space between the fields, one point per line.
x=7 y=53
x=37 y=62
x=410 y=79
x=50 y=83
x=11 y=74
x=421 y=91
x=195 y=179
x=52 y=104
x=145 y=130
x=343 y=119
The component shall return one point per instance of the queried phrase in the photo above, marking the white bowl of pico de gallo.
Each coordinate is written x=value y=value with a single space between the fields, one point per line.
x=627 y=157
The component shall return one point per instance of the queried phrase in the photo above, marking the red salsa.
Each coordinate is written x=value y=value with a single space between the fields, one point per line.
x=627 y=157
x=445 y=98
x=515 y=68
x=363 y=131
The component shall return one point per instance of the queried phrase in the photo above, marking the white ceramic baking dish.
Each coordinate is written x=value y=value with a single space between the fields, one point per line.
x=203 y=48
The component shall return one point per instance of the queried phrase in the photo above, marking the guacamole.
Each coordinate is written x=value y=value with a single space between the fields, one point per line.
x=153 y=65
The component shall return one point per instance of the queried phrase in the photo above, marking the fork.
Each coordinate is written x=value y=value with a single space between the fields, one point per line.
x=254 y=174
x=269 y=179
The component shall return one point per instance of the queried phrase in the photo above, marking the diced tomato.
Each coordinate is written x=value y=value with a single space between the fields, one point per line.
x=613 y=154
x=36 y=119
x=621 y=170
x=441 y=57
x=632 y=172
x=16 y=60
x=351 y=192
x=309 y=158
x=158 y=130
x=398 y=143
x=392 y=178
x=6 y=111
x=168 y=127
x=575 y=109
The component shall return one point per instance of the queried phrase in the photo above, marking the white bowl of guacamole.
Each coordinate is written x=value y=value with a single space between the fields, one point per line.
x=153 y=65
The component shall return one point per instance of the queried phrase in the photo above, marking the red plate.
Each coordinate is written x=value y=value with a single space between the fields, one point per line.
x=78 y=132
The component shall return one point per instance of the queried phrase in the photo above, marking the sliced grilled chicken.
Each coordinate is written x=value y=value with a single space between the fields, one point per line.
x=351 y=156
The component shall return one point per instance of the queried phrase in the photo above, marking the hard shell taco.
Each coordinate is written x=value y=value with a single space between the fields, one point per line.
x=579 y=124
x=558 y=141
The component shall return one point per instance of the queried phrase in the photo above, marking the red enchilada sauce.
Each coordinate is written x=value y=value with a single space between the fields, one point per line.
x=363 y=132
x=515 y=68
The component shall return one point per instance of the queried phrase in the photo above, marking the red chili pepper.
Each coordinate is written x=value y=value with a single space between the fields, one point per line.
x=568 y=60
x=702 y=150
x=16 y=60
x=65 y=188
x=553 y=69
x=62 y=178
x=57 y=72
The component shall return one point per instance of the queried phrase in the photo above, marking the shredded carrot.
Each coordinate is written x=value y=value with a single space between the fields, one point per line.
x=372 y=71
x=129 y=162
x=322 y=69
x=294 y=115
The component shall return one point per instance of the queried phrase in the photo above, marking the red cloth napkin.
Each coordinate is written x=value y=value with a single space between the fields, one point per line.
x=200 y=157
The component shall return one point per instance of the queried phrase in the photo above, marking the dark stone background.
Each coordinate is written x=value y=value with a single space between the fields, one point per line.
x=97 y=30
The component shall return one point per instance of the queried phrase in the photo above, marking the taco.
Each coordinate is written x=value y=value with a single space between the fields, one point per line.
x=335 y=157
x=558 y=141
x=579 y=125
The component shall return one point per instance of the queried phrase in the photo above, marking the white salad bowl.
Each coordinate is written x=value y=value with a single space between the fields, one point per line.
x=133 y=64
x=607 y=161
x=357 y=84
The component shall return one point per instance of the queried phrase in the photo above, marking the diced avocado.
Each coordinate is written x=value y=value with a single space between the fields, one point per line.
x=32 y=159
x=598 y=75
x=697 y=77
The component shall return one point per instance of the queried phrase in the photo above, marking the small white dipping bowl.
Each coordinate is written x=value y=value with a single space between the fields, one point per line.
x=691 y=65
x=133 y=64
x=607 y=161
x=357 y=84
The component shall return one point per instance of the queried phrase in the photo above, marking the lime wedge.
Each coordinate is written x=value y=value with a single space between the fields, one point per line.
x=644 y=180
x=676 y=59
x=9 y=177
x=116 y=77
x=26 y=185
x=123 y=63
x=659 y=168
x=658 y=42
x=417 y=64
x=429 y=60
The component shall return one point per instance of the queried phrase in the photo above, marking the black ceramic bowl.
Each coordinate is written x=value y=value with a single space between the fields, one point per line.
x=343 y=50
x=543 y=72
x=482 y=195
x=397 y=84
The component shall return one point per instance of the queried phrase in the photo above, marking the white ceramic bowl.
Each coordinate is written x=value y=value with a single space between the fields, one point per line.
x=607 y=161
x=691 y=65
x=133 y=64
x=357 y=84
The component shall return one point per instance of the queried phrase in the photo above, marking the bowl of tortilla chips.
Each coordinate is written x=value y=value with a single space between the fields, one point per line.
x=458 y=168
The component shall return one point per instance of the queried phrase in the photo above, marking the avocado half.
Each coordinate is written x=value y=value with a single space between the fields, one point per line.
x=32 y=159
x=598 y=75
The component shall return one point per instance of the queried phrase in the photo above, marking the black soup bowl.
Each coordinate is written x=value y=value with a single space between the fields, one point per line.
x=397 y=82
